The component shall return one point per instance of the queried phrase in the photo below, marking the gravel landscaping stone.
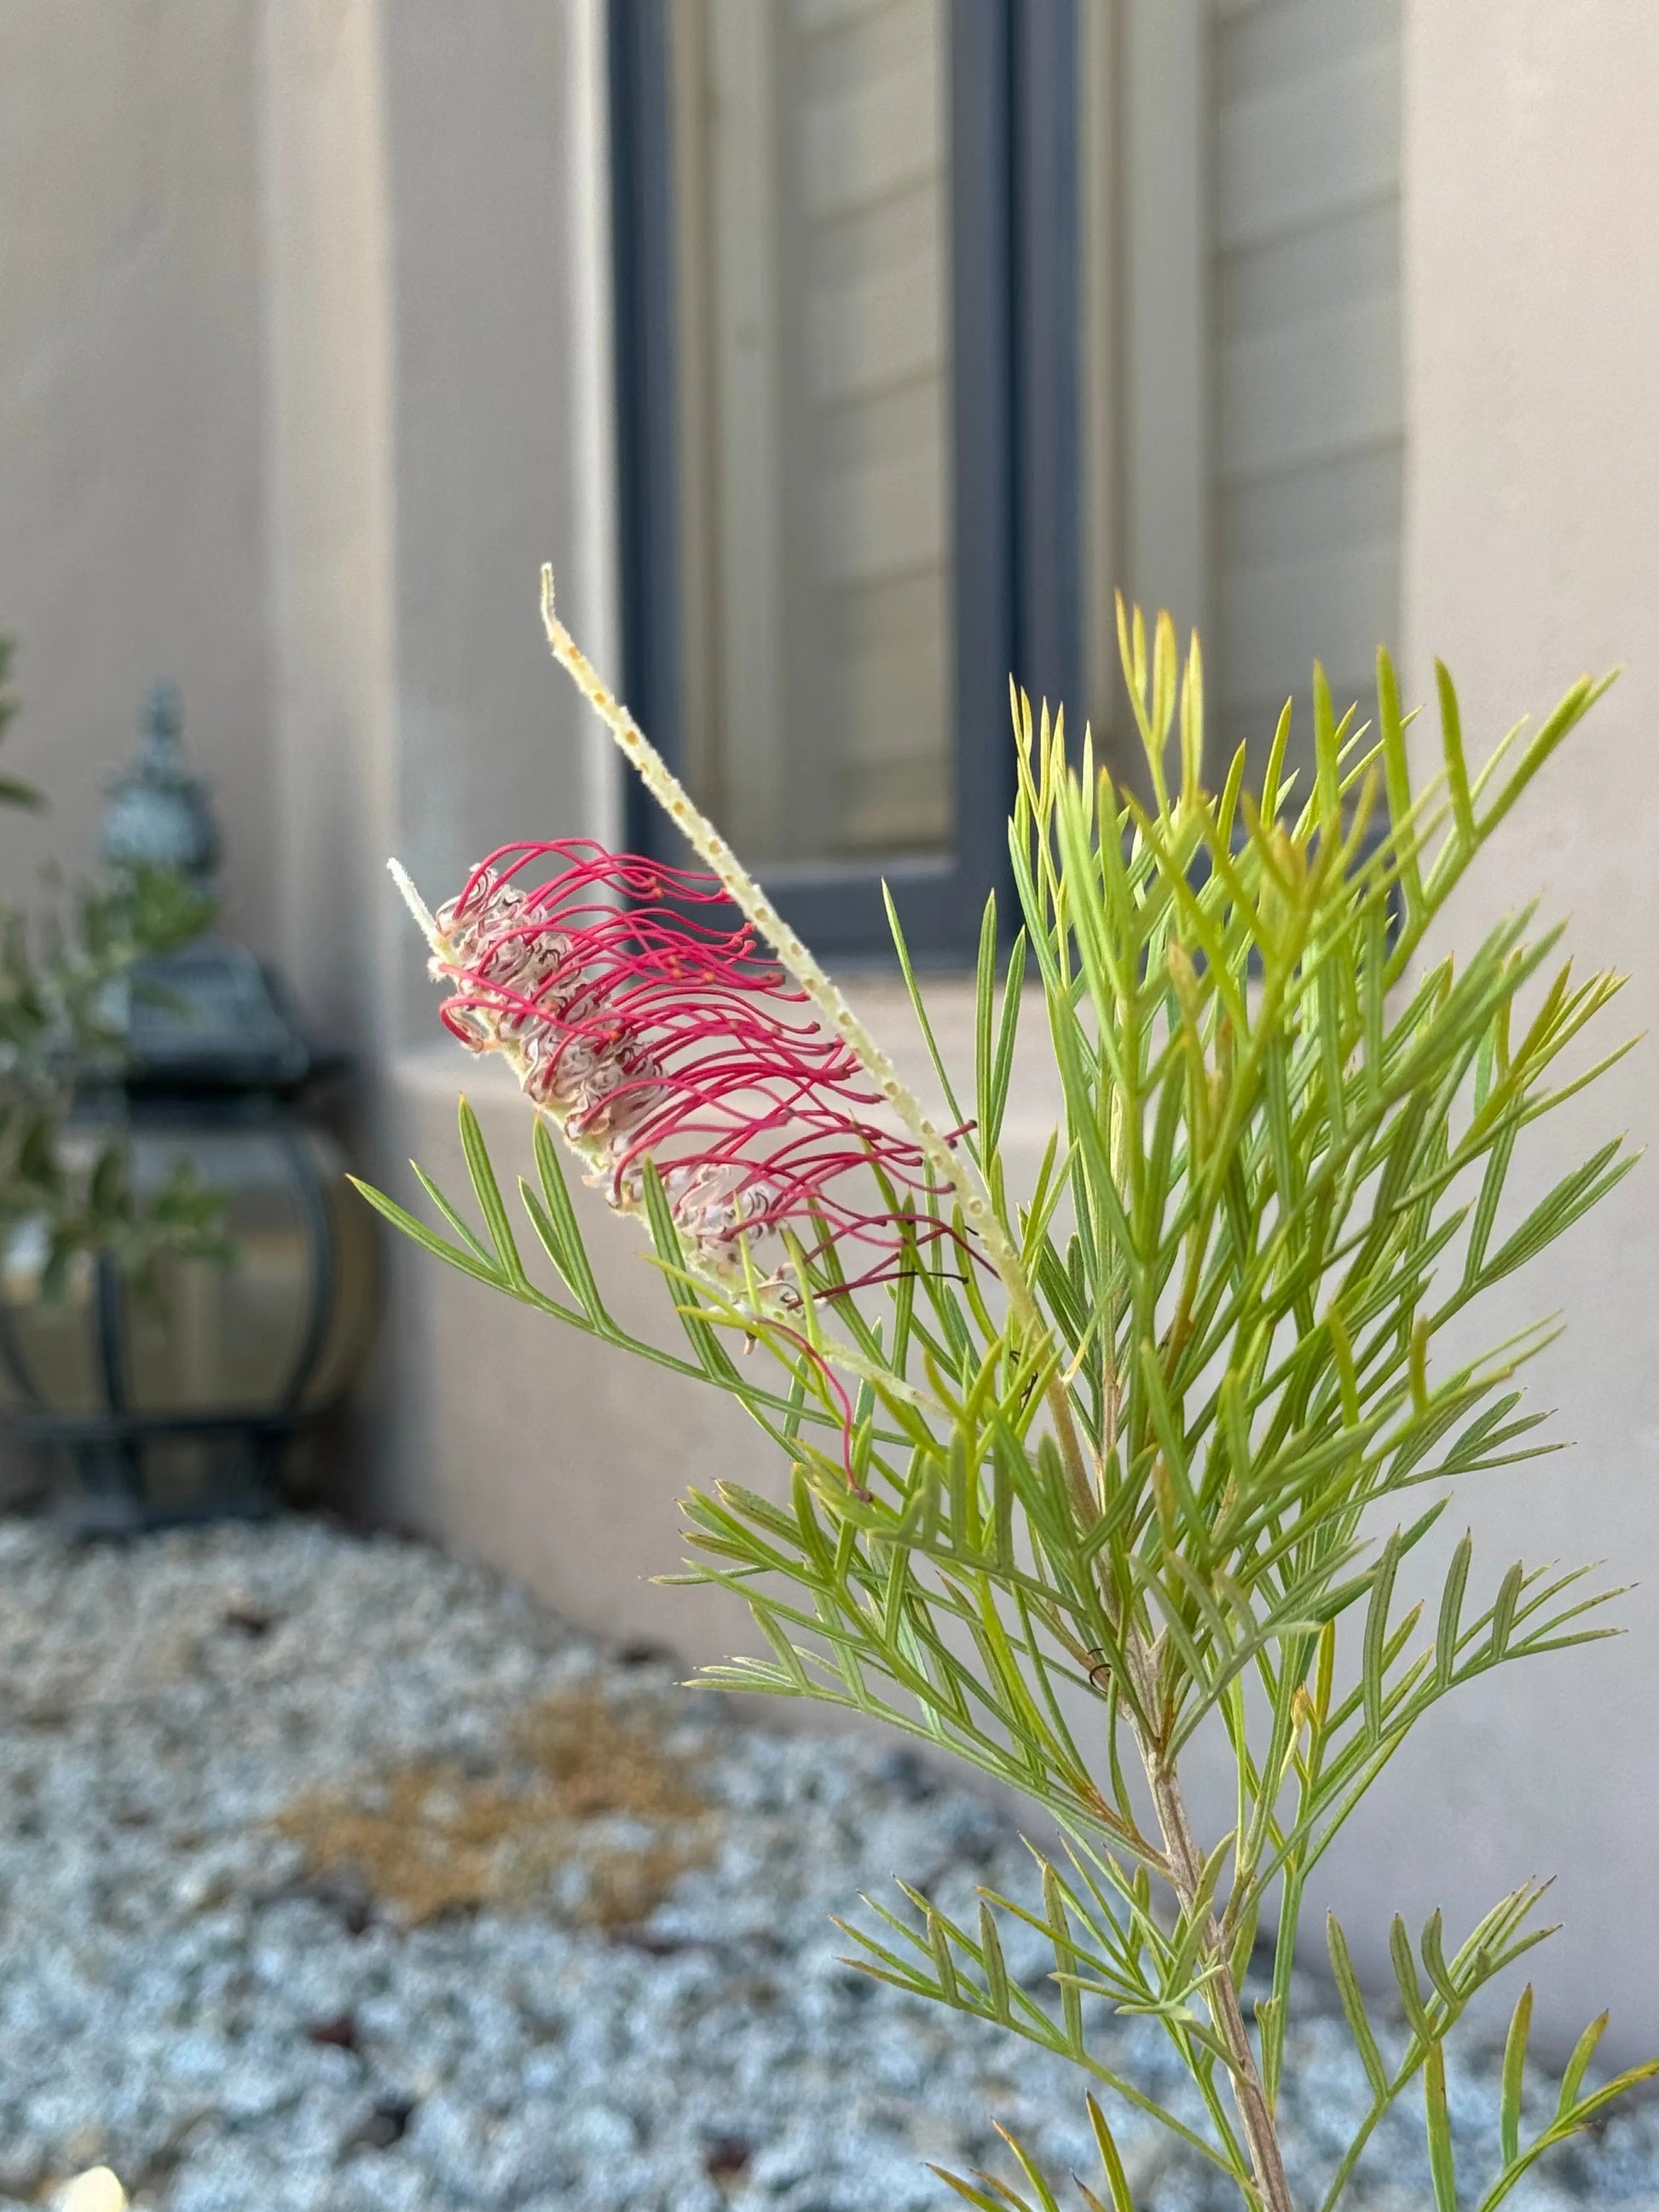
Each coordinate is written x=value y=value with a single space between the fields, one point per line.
x=640 y=2010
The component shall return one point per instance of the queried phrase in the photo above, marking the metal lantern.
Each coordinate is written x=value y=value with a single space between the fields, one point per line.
x=184 y=1402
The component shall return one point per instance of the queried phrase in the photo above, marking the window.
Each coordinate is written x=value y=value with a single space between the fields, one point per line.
x=811 y=164
x=832 y=449
x=938 y=319
x=1308 y=454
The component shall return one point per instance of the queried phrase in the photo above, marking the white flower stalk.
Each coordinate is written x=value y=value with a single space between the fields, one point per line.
x=946 y=1160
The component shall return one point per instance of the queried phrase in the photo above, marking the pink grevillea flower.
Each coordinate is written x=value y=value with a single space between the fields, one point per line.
x=651 y=1030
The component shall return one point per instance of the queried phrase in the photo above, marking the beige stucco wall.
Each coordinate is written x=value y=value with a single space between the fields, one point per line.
x=438 y=427
x=330 y=516
x=131 y=381
x=300 y=324
x=1533 y=553
x=302 y=371
x=433 y=310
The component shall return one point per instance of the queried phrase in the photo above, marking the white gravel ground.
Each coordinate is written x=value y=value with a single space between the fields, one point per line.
x=174 y=1984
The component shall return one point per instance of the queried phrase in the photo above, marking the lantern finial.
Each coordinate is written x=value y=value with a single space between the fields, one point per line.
x=159 y=814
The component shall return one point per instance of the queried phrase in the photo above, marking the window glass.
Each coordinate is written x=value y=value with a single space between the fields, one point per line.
x=1243 y=423
x=1309 y=450
x=812 y=208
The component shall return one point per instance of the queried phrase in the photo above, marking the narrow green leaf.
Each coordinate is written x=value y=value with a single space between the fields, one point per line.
x=1441 y=2164
x=546 y=1235
x=1451 y=1606
x=1270 y=2026
x=1195 y=1923
x=1373 y=982
x=1503 y=1611
x=428 y=1239
x=1563 y=718
x=1166 y=660
x=1404 y=1973
x=1396 y=770
x=1326 y=767
x=1419 y=1364
x=1173 y=1459
x=918 y=1006
x=984 y=998
x=996 y=1972
x=711 y=1354
x=1377 y=1634
x=1354 y=2006
x=981 y=2199
x=575 y=1267
x=1287 y=1172
x=1515 y=2073
x=1054 y=1907
x=490 y=1202
x=1192 y=722
x=1342 y=1352
x=1329 y=990
x=772 y=1630
x=1434 y=1958
x=1582 y=2052
x=1235 y=1426
x=463 y=1228
x=1572 y=1198
x=1451 y=737
x=1486 y=1210
x=1620 y=2086
x=1274 y=770
x=1046 y=2199
x=1002 y=1066
x=1110 y=2160
x=939 y=1942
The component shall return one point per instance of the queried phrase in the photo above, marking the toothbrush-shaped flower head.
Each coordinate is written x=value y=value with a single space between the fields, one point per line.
x=643 y=1018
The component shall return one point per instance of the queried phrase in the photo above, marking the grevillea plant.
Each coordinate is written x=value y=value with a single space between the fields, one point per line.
x=1082 y=1474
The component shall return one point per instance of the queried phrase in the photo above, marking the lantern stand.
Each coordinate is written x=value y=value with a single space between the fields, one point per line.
x=189 y=1413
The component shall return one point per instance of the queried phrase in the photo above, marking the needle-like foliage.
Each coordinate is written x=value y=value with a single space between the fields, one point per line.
x=1145 y=1451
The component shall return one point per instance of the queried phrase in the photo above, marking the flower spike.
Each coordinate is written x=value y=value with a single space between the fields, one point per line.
x=950 y=1165
x=650 y=1030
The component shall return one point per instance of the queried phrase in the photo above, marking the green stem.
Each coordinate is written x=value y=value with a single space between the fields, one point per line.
x=1186 y=1872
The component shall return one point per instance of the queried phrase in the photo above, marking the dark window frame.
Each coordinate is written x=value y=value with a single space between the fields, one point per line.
x=1016 y=446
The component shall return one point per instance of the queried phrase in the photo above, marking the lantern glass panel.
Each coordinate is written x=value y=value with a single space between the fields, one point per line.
x=270 y=1332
